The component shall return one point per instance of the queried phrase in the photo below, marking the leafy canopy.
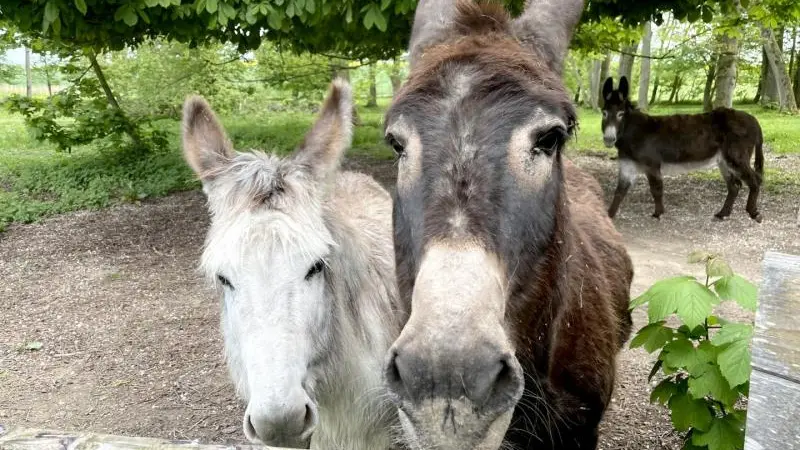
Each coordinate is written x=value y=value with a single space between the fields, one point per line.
x=374 y=29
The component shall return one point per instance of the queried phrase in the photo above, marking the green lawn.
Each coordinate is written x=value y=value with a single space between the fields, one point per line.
x=36 y=181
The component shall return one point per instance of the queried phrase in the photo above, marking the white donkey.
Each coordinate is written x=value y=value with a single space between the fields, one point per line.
x=303 y=256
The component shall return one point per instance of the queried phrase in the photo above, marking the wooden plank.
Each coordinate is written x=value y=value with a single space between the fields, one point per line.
x=36 y=439
x=776 y=343
x=773 y=414
x=773 y=410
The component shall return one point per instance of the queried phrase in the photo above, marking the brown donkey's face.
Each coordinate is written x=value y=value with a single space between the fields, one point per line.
x=615 y=107
x=478 y=129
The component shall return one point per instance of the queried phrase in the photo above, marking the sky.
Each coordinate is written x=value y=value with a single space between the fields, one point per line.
x=17 y=56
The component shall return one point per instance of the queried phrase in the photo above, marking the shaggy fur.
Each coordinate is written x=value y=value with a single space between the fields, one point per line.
x=481 y=86
x=286 y=325
x=650 y=144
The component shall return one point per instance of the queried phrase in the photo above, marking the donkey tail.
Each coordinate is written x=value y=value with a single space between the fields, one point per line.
x=759 y=162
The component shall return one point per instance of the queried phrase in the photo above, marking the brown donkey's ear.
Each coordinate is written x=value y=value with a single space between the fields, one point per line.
x=546 y=28
x=332 y=132
x=433 y=24
x=608 y=88
x=206 y=148
x=624 y=88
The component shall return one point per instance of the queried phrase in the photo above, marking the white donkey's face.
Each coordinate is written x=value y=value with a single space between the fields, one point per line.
x=266 y=251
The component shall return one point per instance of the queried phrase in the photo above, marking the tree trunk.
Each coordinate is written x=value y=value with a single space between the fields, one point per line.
x=372 y=101
x=725 y=76
x=797 y=83
x=101 y=78
x=786 y=99
x=769 y=90
x=654 y=96
x=605 y=71
x=595 y=84
x=644 y=77
x=396 y=77
x=709 y=89
x=28 y=74
x=792 y=52
x=761 y=76
x=626 y=61
x=675 y=84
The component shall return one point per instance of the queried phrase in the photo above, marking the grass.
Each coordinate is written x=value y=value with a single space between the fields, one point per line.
x=36 y=181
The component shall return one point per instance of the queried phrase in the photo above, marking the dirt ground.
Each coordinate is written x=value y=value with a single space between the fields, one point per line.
x=129 y=334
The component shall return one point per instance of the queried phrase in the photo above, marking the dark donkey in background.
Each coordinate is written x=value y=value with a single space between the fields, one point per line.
x=650 y=144
x=517 y=282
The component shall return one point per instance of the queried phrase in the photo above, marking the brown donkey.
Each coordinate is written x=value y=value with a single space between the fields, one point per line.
x=682 y=142
x=517 y=282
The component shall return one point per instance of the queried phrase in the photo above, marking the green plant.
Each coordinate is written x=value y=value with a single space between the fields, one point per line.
x=705 y=361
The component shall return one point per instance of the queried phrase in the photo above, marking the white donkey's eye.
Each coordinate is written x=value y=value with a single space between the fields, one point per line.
x=315 y=269
x=605 y=114
x=620 y=114
x=225 y=282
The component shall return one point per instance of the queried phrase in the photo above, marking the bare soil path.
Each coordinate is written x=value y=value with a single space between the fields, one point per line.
x=130 y=337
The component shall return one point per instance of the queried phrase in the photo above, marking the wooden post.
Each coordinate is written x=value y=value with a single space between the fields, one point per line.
x=32 y=439
x=773 y=409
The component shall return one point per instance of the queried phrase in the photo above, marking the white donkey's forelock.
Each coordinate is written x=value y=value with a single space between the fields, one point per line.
x=262 y=202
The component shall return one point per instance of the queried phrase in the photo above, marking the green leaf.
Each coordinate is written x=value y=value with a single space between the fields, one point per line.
x=652 y=337
x=687 y=412
x=699 y=256
x=716 y=267
x=81 y=5
x=679 y=353
x=682 y=295
x=51 y=11
x=127 y=14
x=732 y=332
x=211 y=6
x=734 y=362
x=739 y=290
x=656 y=367
x=664 y=391
x=712 y=383
x=726 y=433
x=152 y=3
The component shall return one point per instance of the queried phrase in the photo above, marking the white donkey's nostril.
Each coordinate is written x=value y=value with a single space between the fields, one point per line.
x=282 y=424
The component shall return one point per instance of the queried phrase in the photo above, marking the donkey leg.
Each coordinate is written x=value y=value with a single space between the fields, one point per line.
x=627 y=175
x=734 y=184
x=657 y=190
x=754 y=187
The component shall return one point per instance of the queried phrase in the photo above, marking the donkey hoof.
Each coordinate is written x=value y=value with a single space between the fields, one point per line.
x=720 y=217
x=656 y=216
x=757 y=217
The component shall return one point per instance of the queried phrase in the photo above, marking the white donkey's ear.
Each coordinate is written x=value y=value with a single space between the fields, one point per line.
x=332 y=133
x=546 y=28
x=206 y=148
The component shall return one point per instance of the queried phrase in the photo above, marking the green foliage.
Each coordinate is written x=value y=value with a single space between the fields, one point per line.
x=80 y=115
x=361 y=28
x=705 y=361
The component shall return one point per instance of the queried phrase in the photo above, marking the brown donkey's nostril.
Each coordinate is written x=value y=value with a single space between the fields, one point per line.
x=489 y=379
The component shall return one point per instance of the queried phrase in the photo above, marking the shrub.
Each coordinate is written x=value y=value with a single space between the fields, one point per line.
x=703 y=363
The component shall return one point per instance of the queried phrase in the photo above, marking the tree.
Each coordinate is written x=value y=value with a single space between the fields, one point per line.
x=644 y=78
x=357 y=28
x=28 y=74
x=372 y=99
x=786 y=98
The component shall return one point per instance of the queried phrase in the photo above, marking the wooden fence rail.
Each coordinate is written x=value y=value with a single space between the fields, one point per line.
x=773 y=410
x=33 y=439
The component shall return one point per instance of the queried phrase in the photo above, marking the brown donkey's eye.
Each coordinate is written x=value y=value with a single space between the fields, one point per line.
x=398 y=148
x=551 y=140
